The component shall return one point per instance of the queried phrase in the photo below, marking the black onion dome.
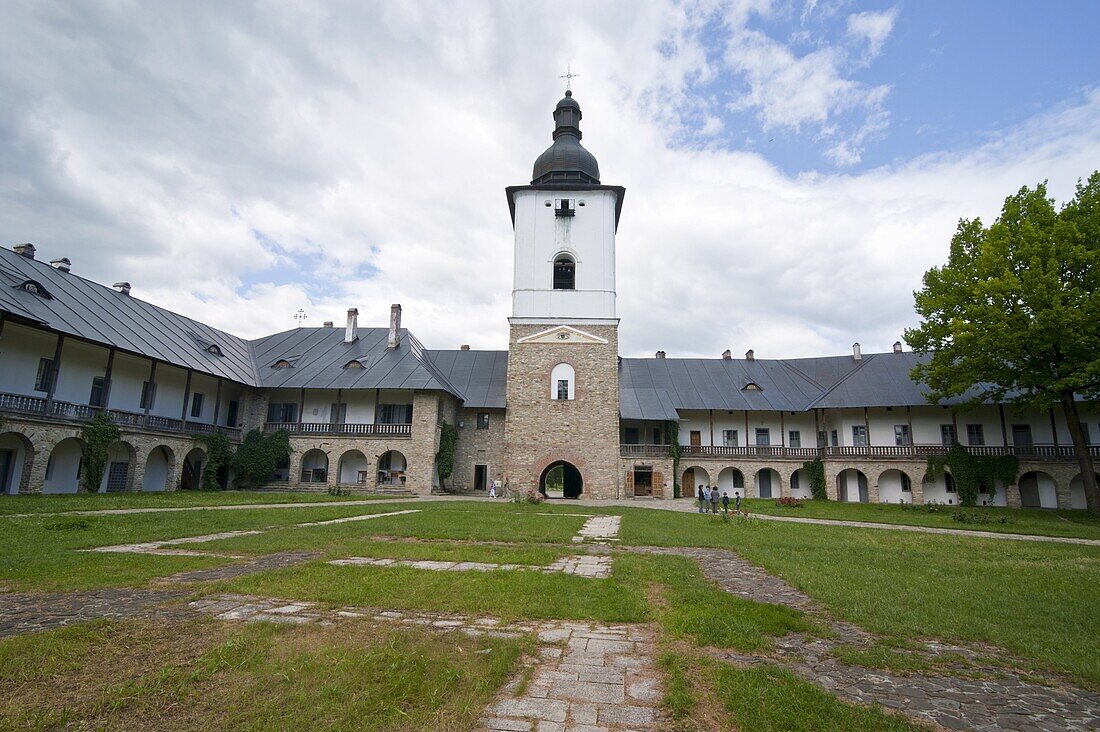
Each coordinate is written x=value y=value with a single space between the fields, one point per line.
x=566 y=162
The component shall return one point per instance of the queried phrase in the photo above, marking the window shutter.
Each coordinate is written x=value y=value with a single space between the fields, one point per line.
x=658 y=485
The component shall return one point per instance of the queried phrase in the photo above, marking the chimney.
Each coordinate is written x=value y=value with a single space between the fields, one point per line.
x=464 y=347
x=395 y=326
x=328 y=324
x=62 y=264
x=25 y=250
x=750 y=355
x=897 y=346
x=727 y=355
x=659 y=354
x=352 y=331
x=856 y=354
x=123 y=287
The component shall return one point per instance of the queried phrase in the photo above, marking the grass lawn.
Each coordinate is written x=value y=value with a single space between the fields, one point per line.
x=704 y=694
x=41 y=551
x=218 y=676
x=168 y=499
x=1043 y=522
x=1032 y=598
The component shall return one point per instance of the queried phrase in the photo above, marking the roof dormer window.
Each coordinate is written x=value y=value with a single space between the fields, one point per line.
x=751 y=386
x=282 y=363
x=35 y=288
x=214 y=350
x=354 y=364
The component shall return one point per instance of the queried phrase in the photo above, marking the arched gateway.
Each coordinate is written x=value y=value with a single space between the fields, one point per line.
x=561 y=480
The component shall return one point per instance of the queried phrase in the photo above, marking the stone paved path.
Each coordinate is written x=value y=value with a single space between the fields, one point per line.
x=239 y=569
x=586 y=678
x=1001 y=700
x=158 y=547
x=597 y=567
x=599 y=530
x=25 y=613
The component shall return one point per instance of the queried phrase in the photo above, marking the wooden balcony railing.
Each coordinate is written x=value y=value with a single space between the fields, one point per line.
x=353 y=429
x=898 y=452
x=21 y=404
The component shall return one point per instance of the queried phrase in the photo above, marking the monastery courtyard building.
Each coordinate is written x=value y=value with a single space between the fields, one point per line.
x=559 y=411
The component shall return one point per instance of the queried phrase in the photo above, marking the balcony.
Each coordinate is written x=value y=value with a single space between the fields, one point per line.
x=887 y=452
x=40 y=407
x=348 y=429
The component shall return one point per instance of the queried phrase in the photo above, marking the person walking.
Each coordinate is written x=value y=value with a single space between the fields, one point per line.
x=701 y=498
x=714 y=500
x=726 y=503
x=493 y=488
x=737 y=501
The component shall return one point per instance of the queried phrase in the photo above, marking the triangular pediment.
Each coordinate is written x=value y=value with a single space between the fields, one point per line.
x=564 y=334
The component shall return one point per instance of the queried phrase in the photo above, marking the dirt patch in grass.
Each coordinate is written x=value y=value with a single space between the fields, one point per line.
x=141 y=675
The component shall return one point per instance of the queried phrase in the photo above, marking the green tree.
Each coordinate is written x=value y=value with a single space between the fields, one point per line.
x=1014 y=315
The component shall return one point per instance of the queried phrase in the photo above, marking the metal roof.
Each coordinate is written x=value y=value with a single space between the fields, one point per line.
x=480 y=376
x=85 y=309
x=655 y=388
x=318 y=359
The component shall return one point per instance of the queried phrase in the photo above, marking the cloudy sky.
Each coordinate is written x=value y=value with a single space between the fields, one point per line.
x=792 y=168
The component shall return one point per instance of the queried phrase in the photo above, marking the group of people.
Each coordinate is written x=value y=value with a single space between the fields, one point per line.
x=708 y=496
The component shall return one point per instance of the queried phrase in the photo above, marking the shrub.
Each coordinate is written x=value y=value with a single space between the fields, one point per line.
x=815 y=473
x=789 y=502
x=258 y=456
x=219 y=454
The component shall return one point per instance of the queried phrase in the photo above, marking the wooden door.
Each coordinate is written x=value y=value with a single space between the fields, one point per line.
x=658 y=485
x=630 y=482
x=696 y=438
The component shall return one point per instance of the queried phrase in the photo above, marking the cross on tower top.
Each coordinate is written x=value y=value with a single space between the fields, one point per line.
x=569 y=76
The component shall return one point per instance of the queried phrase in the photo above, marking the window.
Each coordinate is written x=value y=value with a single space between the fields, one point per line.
x=35 y=288
x=282 y=412
x=562 y=382
x=975 y=434
x=949 y=482
x=658 y=438
x=1021 y=435
x=148 y=394
x=763 y=436
x=353 y=364
x=859 y=435
x=795 y=480
x=99 y=391
x=794 y=438
x=196 y=404
x=947 y=435
x=565 y=273
x=729 y=438
x=834 y=438
x=901 y=435
x=338 y=413
x=630 y=435
x=906 y=486
x=282 y=363
x=751 y=387
x=395 y=413
x=214 y=350
x=483 y=420
x=45 y=374
x=231 y=413
x=822 y=438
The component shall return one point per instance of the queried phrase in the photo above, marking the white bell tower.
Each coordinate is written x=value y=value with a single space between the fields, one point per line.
x=565 y=223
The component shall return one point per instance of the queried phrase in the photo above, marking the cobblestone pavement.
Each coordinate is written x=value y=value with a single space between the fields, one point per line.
x=1000 y=700
x=25 y=613
x=586 y=678
x=600 y=530
x=239 y=569
x=597 y=567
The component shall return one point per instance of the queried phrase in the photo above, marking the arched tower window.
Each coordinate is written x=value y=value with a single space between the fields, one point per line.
x=565 y=272
x=563 y=382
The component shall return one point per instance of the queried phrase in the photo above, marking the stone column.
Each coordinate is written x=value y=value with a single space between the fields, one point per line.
x=424 y=443
x=34 y=469
x=294 y=475
x=830 y=482
x=1012 y=496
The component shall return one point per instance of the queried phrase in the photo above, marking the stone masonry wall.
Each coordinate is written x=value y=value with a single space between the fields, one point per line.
x=479 y=447
x=583 y=431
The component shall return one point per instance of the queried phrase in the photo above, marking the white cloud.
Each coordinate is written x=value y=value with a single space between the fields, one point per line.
x=151 y=145
x=874 y=27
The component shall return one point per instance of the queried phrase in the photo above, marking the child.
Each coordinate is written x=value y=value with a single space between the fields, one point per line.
x=726 y=503
x=737 y=501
